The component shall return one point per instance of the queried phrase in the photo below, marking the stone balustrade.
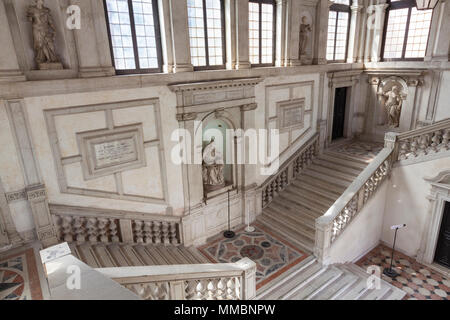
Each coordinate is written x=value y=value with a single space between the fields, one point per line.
x=424 y=141
x=227 y=281
x=86 y=225
x=289 y=170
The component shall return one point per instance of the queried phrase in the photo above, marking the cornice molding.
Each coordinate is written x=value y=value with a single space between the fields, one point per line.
x=214 y=85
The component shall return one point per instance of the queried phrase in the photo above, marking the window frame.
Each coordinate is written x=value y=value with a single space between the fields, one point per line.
x=158 y=40
x=402 y=4
x=274 y=33
x=339 y=7
x=205 y=26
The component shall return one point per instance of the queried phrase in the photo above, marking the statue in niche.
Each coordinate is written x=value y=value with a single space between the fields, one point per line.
x=305 y=29
x=213 y=166
x=393 y=105
x=44 y=33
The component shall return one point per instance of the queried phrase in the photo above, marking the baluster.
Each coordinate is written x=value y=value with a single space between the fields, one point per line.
x=404 y=148
x=200 y=290
x=414 y=146
x=221 y=290
x=156 y=232
x=269 y=193
x=436 y=141
x=445 y=145
x=91 y=230
x=423 y=144
x=147 y=232
x=67 y=231
x=102 y=231
x=113 y=230
x=137 y=230
x=165 y=232
x=80 y=235
x=212 y=289
x=231 y=289
x=173 y=234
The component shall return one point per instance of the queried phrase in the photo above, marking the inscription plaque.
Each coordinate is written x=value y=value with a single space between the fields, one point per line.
x=291 y=114
x=105 y=152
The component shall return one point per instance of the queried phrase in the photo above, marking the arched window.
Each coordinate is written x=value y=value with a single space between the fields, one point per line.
x=134 y=34
x=207 y=33
x=262 y=15
x=406 y=31
x=338 y=28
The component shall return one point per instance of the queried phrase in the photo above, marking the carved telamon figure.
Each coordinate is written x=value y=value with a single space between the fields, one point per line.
x=393 y=105
x=43 y=33
x=305 y=29
x=213 y=166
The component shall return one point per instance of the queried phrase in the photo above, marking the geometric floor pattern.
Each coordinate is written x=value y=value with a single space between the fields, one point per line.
x=417 y=280
x=19 y=279
x=273 y=256
x=358 y=148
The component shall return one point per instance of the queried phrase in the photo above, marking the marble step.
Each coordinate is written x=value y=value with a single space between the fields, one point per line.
x=333 y=290
x=303 y=241
x=297 y=224
x=316 y=197
x=308 y=203
x=292 y=206
x=326 y=178
x=349 y=163
x=337 y=166
x=298 y=205
x=319 y=284
x=310 y=189
x=124 y=255
x=321 y=184
x=296 y=283
x=353 y=158
x=291 y=214
x=333 y=173
x=270 y=289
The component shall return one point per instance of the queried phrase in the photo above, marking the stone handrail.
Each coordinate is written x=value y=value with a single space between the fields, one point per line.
x=227 y=281
x=341 y=213
x=424 y=141
x=87 y=225
x=289 y=170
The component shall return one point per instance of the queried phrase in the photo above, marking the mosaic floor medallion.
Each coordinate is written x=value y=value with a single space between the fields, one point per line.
x=19 y=279
x=272 y=255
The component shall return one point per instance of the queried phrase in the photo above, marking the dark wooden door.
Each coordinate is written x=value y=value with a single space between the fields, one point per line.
x=340 y=100
x=442 y=255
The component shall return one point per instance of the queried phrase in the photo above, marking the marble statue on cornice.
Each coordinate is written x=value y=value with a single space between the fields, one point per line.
x=305 y=29
x=44 y=34
x=212 y=166
x=393 y=105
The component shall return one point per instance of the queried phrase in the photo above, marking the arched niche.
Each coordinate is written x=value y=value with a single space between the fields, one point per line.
x=218 y=126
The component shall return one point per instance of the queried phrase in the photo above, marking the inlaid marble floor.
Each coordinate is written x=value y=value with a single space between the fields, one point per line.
x=417 y=280
x=19 y=278
x=358 y=148
x=273 y=256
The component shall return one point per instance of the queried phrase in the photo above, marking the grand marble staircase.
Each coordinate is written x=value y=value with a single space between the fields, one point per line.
x=312 y=281
x=292 y=213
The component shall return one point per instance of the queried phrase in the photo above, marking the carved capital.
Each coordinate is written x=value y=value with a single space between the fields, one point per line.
x=249 y=107
x=219 y=113
x=187 y=116
x=36 y=193
x=16 y=196
x=374 y=81
x=415 y=82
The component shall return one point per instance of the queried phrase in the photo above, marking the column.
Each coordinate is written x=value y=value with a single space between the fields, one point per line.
x=320 y=45
x=180 y=37
x=355 y=27
x=294 y=33
x=9 y=65
x=242 y=34
x=362 y=35
x=94 y=57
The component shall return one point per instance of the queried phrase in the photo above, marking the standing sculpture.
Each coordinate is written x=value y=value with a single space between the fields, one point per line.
x=393 y=105
x=305 y=29
x=212 y=166
x=44 y=34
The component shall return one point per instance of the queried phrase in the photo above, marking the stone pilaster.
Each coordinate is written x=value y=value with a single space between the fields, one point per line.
x=375 y=24
x=94 y=57
x=242 y=34
x=37 y=197
x=354 y=34
x=281 y=34
x=9 y=65
x=180 y=37
x=320 y=49
x=439 y=43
